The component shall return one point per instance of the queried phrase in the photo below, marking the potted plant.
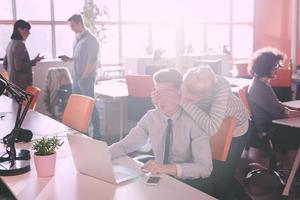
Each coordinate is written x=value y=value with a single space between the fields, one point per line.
x=45 y=155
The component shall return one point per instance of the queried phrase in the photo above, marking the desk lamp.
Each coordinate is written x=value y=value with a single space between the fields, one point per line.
x=14 y=162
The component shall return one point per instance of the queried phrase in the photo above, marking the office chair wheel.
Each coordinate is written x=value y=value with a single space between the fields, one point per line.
x=256 y=171
x=256 y=165
x=279 y=176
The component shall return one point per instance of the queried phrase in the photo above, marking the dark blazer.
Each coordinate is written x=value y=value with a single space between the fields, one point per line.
x=264 y=105
x=18 y=64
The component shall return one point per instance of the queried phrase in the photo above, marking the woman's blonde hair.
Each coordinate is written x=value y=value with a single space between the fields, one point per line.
x=199 y=81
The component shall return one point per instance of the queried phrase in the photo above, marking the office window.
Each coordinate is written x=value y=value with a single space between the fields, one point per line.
x=33 y=10
x=39 y=41
x=242 y=41
x=5 y=32
x=211 y=11
x=243 y=11
x=151 y=11
x=194 y=39
x=206 y=26
x=63 y=10
x=217 y=36
x=64 y=40
x=164 y=11
x=216 y=10
x=164 y=37
x=109 y=49
x=135 y=40
x=133 y=8
x=6 y=10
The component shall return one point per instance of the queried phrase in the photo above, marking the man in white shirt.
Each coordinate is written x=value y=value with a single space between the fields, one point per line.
x=180 y=148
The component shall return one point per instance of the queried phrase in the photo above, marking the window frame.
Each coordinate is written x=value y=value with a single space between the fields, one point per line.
x=119 y=23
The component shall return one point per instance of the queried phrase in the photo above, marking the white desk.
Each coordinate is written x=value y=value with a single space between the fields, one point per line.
x=238 y=82
x=115 y=89
x=292 y=122
x=69 y=184
x=293 y=104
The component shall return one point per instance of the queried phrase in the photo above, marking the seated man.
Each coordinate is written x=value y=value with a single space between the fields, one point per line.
x=181 y=149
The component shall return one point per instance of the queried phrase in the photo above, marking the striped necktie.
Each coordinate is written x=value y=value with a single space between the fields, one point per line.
x=168 y=134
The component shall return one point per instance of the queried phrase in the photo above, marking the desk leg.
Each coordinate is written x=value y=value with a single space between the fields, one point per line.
x=121 y=118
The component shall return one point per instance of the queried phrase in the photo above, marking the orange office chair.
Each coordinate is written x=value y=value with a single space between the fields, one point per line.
x=222 y=165
x=139 y=102
x=5 y=75
x=35 y=91
x=243 y=97
x=283 y=78
x=242 y=69
x=139 y=95
x=78 y=112
x=220 y=142
x=254 y=135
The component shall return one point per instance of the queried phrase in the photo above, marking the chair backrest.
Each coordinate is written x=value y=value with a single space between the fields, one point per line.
x=78 y=112
x=242 y=69
x=6 y=76
x=35 y=91
x=243 y=97
x=139 y=85
x=139 y=95
x=283 y=78
x=220 y=142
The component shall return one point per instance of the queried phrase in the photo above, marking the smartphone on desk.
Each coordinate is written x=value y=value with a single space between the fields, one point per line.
x=153 y=180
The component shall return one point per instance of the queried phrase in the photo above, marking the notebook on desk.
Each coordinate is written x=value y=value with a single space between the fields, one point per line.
x=91 y=157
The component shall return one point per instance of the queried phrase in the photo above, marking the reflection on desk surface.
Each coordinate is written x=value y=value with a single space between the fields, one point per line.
x=292 y=122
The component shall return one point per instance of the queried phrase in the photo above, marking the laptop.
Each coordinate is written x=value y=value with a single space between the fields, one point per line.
x=91 y=157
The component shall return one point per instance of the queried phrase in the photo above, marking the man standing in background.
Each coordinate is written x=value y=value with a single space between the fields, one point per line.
x=85 y=58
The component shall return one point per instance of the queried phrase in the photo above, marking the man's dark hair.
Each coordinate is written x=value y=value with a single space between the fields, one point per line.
x=171 y=76
x=264 y=61
x=76 y=18
x=19 y=24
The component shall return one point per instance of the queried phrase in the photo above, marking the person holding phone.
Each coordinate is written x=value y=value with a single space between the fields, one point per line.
x=16 y=60
x=85 y=58
x=181 y=149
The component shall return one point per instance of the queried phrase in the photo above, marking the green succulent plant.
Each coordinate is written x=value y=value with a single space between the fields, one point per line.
x=46 y=145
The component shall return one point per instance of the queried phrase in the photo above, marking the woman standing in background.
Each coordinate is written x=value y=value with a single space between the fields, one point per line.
x=17 y=61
